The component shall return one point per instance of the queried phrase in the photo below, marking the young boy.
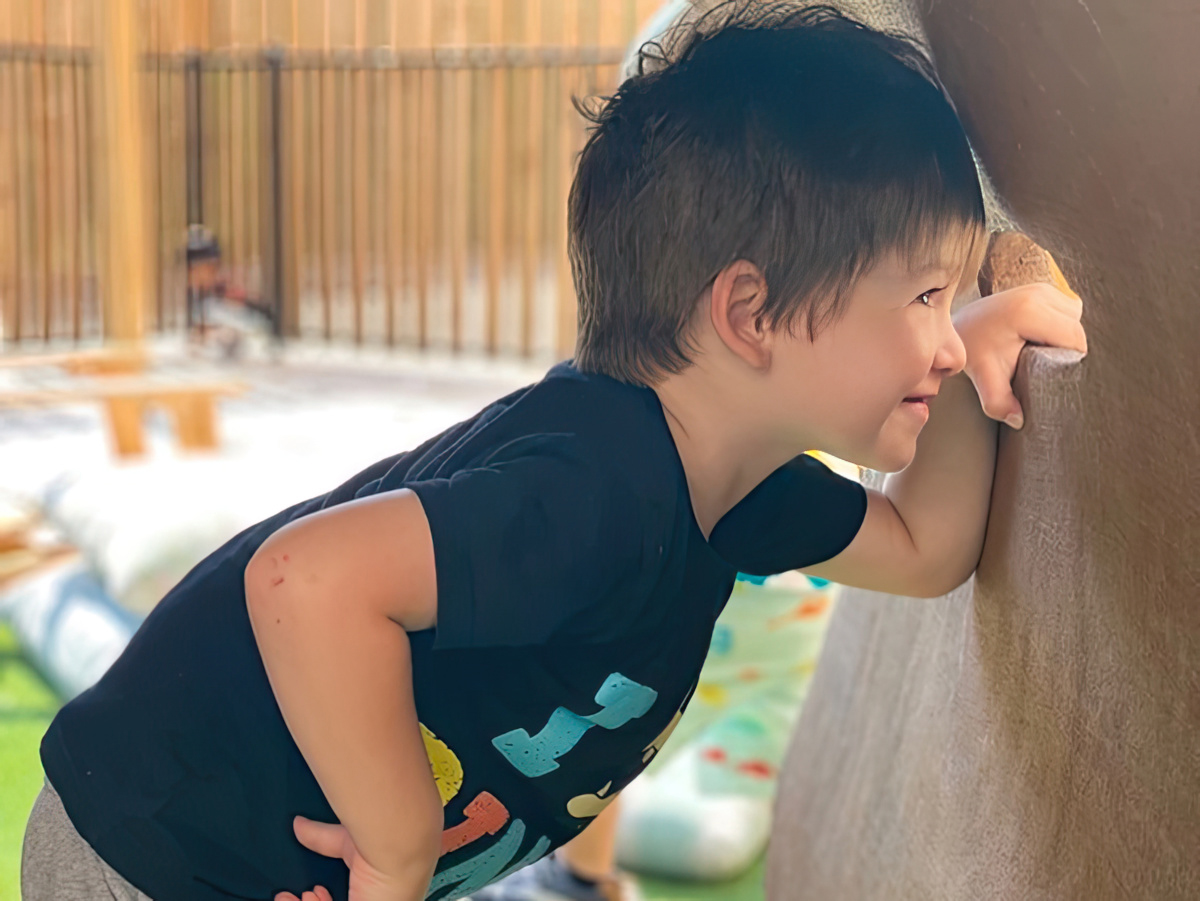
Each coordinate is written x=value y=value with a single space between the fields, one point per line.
x=449 y=665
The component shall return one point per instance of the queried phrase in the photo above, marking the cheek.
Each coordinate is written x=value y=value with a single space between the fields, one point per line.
x=863 y=369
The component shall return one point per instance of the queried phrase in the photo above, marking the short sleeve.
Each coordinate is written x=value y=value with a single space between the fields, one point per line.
x=802 y=514
x=529 y=544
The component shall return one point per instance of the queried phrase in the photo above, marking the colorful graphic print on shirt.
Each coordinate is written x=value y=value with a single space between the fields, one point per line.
x=621 y=700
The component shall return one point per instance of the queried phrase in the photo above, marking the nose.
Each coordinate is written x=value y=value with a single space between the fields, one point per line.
x=951 y=356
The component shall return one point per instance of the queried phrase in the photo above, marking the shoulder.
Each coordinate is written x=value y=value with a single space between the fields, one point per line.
x=802 y=514
x=611 y=429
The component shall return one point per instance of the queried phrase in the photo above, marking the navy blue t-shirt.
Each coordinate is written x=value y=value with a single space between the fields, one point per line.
x=576 y=602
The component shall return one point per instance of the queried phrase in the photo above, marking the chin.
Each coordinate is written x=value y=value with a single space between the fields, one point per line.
x=893 y=460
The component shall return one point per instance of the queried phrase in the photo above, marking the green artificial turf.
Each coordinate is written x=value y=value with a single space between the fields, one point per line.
x=747 y=888
x=27 y=704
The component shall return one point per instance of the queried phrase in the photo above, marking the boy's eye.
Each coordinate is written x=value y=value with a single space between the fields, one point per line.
x=924 y=296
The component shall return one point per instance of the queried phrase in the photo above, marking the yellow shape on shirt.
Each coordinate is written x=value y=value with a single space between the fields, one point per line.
x=447 y=770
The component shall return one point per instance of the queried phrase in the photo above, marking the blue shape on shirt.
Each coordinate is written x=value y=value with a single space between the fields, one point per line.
x=753 y=580
x=489 y=866
x=620 y=700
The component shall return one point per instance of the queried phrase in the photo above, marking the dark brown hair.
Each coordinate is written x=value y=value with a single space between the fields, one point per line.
x=797 y=139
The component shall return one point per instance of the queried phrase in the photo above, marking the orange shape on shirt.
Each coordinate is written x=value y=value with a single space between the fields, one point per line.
x=486 y=815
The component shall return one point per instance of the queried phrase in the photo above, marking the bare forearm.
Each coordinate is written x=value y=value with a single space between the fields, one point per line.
x=343 y=678
x=944 y=494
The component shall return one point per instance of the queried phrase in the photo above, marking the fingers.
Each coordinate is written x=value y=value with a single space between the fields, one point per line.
x=1049 y=295
x=324 y=838
x=1047 y=316
x=319 y=893
x=993 y=385
x=1053 y=329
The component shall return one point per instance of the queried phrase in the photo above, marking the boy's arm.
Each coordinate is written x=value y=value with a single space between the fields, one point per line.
x=923 y=534
x=331 y=599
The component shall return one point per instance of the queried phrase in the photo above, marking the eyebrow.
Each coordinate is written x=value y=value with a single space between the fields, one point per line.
x=918 y=272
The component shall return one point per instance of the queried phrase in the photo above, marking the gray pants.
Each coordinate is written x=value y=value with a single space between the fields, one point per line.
x=58 y=865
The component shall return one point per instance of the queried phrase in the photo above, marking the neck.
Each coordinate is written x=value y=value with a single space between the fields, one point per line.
x=726 y=451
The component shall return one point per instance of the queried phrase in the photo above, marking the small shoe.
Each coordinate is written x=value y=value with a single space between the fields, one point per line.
x=549 y=879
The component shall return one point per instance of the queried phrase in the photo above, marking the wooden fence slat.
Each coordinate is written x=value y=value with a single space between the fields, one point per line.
x=87 y=198
x=390 y=236
x=497 y=239
x=325 y=192
x=424 y=182
x=357 y=137
x=459 y=177
x=39 y=114
x=10 y=211
x=253 y=187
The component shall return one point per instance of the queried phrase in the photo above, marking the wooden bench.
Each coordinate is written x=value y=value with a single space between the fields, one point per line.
x=20 y=554
x=95 y=361
x=192 y=406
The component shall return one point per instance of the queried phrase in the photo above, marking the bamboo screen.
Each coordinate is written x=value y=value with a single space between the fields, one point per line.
x=383 y=172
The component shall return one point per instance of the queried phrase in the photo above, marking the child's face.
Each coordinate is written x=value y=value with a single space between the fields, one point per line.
x=896 y=340
x=202 y=274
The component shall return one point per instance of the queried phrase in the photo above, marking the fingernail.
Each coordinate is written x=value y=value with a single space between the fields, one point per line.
x=1014 y=420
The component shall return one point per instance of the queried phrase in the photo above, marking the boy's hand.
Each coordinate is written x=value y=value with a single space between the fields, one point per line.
x=366 y=882
x=994 y=330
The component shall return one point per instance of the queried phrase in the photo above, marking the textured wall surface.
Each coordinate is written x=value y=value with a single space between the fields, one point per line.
x=1036 y=734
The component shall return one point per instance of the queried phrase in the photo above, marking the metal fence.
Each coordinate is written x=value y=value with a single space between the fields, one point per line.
x=376 y=196
x=49 y=284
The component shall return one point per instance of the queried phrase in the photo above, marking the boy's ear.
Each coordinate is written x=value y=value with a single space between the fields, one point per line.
x=738 y=294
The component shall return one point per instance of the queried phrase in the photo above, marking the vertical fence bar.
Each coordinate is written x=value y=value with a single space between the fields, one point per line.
x=159 y=194
x=297 y=210
x=50 y=185
x=31 y=194
x=497 y=180
x=324 y=185
x=274 y=271
x=410 y=191
x=569 y=134
x=88 y=196
x=344 y=132
x=531 y=269
x=66 y=172
x=8 y=189
x=252 y=172
x=392 y=238
x=376 y=188
x=459 y=115
x=312 y=88
x=193 y=87
x=425 y=182
x=18 y=305
x=40 y=126
x=221 y=169
x=235 y=173
x=75 y=206
x=194 y=136
x=12 y=305
x=357 y=158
